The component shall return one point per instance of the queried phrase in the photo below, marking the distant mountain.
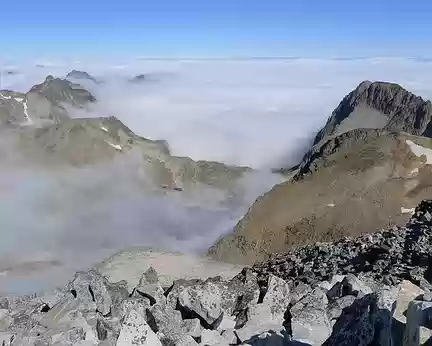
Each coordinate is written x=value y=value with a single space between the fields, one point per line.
x=50 y=138
x=62 y=91
x=139 y=78
x=365 y=171
x=81 y=142
x=43 y=103
x=81 y=75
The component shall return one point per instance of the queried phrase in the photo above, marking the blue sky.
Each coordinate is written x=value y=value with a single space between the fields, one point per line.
x=175 y=28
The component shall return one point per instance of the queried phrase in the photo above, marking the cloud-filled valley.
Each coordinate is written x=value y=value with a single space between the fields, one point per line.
x=261 y=114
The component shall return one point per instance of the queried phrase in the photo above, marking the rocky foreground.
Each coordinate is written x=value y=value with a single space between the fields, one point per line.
x=371 y=290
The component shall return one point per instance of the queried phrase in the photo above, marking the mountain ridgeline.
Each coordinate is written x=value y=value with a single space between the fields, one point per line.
x=50 y=136
x=367 y=169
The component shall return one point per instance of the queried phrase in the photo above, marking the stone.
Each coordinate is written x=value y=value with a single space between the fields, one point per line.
x=192 y=327
x=204 y=302
x=90 y=289
x=4 y=303
x=186 y=340
x=5 y=319
x=211 y=337
x=278 y=295
x=6 y=339
x=136 y=331
x=298 y=290
x=150 y=288
x=335 y=307
x=407 y=293
x=268 y=315
x=368 y=319
x=176 y=288
x=327 y=285
x=419 y=315
x=427 y=297
x=166 y=323
x=138 y=304
x=307 y=320
x=272 y=338
x=350 y=285
x=230 y=337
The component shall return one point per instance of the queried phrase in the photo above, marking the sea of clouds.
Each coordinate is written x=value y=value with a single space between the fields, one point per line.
x=259 y=113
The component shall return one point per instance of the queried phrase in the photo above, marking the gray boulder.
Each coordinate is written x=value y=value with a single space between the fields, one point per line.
x=94 y=292
x=136 y=331
x=419 y=323
x=367 y=321
x=166 y=323
x=307 y=320
x=268 y=315
x=350 y=285
x=186 y=340
x=150 y=288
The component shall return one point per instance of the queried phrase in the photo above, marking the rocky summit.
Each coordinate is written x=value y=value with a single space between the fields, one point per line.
x=371 y=290
x=368 y=168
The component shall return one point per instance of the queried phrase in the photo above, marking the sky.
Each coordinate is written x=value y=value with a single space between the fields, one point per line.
x=223 y=28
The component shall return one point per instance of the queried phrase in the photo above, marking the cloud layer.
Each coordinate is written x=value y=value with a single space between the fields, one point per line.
x=257 y=113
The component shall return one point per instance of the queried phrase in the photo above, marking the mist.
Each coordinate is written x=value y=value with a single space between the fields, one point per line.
x=262 y=114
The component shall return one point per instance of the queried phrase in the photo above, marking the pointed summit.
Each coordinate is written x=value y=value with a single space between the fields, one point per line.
x=378 y=105
x=59 y=90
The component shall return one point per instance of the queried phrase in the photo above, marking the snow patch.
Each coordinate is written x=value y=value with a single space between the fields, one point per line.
x=331 y=205
x=418 y=151
x=103 y=128
x=5 y=97
x=407 y=211
x=115 y=146
x=18 y=99
x=29 y=120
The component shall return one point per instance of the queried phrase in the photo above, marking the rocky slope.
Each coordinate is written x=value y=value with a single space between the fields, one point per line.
x=352 y=180
x=372 y=290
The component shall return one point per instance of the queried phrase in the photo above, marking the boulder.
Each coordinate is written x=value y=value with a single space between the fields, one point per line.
x=350 y=285
x=94 y=292
x=186 y=340
x=307 y=320
x=135 y=331
x=150 y=288
x=166 y=323
x=138 y=304
x=367 y=320
x=419 y=323
x=212 y=337
x=407 y=293
x=268 y=315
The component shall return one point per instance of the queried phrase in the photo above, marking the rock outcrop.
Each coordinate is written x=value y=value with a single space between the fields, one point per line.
x=373 y=290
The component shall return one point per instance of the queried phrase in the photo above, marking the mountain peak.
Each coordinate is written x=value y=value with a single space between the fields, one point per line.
x=59 y=90
x=76 y=74
x=378 y=105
